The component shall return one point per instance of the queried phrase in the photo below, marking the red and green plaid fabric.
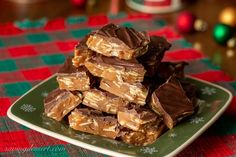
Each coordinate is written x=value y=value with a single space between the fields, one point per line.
x=31 y=51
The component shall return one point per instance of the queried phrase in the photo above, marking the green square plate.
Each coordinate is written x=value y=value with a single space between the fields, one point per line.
x=213 y=100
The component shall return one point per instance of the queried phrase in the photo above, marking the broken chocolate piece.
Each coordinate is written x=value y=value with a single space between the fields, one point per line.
x=134 y=117
x=143 y=138
x=122 y=42
x=135 y=92
x=171 y=102
x=191 y=92
x=164 y=71
x=93 y=122
x=152 y=58
x=71 y=78
x=58 y=103
x=82 y=53
x=103 y=101
x=167 y=69
x=114 y=69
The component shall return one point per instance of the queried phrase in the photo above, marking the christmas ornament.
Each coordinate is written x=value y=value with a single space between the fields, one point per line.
x=78 y=3
x=228 y=16
x=231 y=43
x=187 y=23
x=222 y=33
x=200 y=25
x=229 y=53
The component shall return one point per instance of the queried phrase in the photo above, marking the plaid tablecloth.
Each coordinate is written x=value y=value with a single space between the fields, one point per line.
x=32 y=51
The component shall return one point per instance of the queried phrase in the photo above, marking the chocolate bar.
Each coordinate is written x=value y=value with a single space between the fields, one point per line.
x=134 y=117
x=135 y=92
x=114 y=69
x=103 y=101
x=93 y=122
x=156 y=50
x=59 y=103
x=171 y=102
x=122 y=42
x=143 y=138
x=71 y=78
x=82 y=53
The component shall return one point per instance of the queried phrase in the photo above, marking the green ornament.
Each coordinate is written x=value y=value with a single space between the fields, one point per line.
x=222 y=33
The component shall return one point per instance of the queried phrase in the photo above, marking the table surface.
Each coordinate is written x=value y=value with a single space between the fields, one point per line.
x=207 y=10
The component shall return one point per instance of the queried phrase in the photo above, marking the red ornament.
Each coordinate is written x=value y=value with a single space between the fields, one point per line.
x=78 y=3
x=185 y=22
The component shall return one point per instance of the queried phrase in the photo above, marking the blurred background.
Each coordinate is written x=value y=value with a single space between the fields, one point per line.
x=201 y=25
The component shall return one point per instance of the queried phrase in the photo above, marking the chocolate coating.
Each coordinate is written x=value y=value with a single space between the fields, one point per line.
x=103 y=101
x=135 y=92
x=133 y=63
x=156 y=50
x=134 y=117
x=72 y=78
x=114 y=69
x=167 y=69
x=118 y=62
x=142 y=138
x=50 y=97
x=58 y=103
x=129 y=36
x=113 y=41
x=94 y=122
x=171 y=102
x=191 y=92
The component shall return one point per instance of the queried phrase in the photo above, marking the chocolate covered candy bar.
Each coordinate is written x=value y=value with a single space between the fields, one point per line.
x=143 y=138
x=134 y=117
x=82 y=53
x=156 y=50
x=135 y=92
x=171 y=102
x=71 y=78
x=93 y=122
x=122 y=42
x=103 y=101
x=58 y=103
x=114 y=69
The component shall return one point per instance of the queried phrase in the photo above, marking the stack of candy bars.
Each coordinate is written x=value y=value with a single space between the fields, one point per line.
x=117 y=87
